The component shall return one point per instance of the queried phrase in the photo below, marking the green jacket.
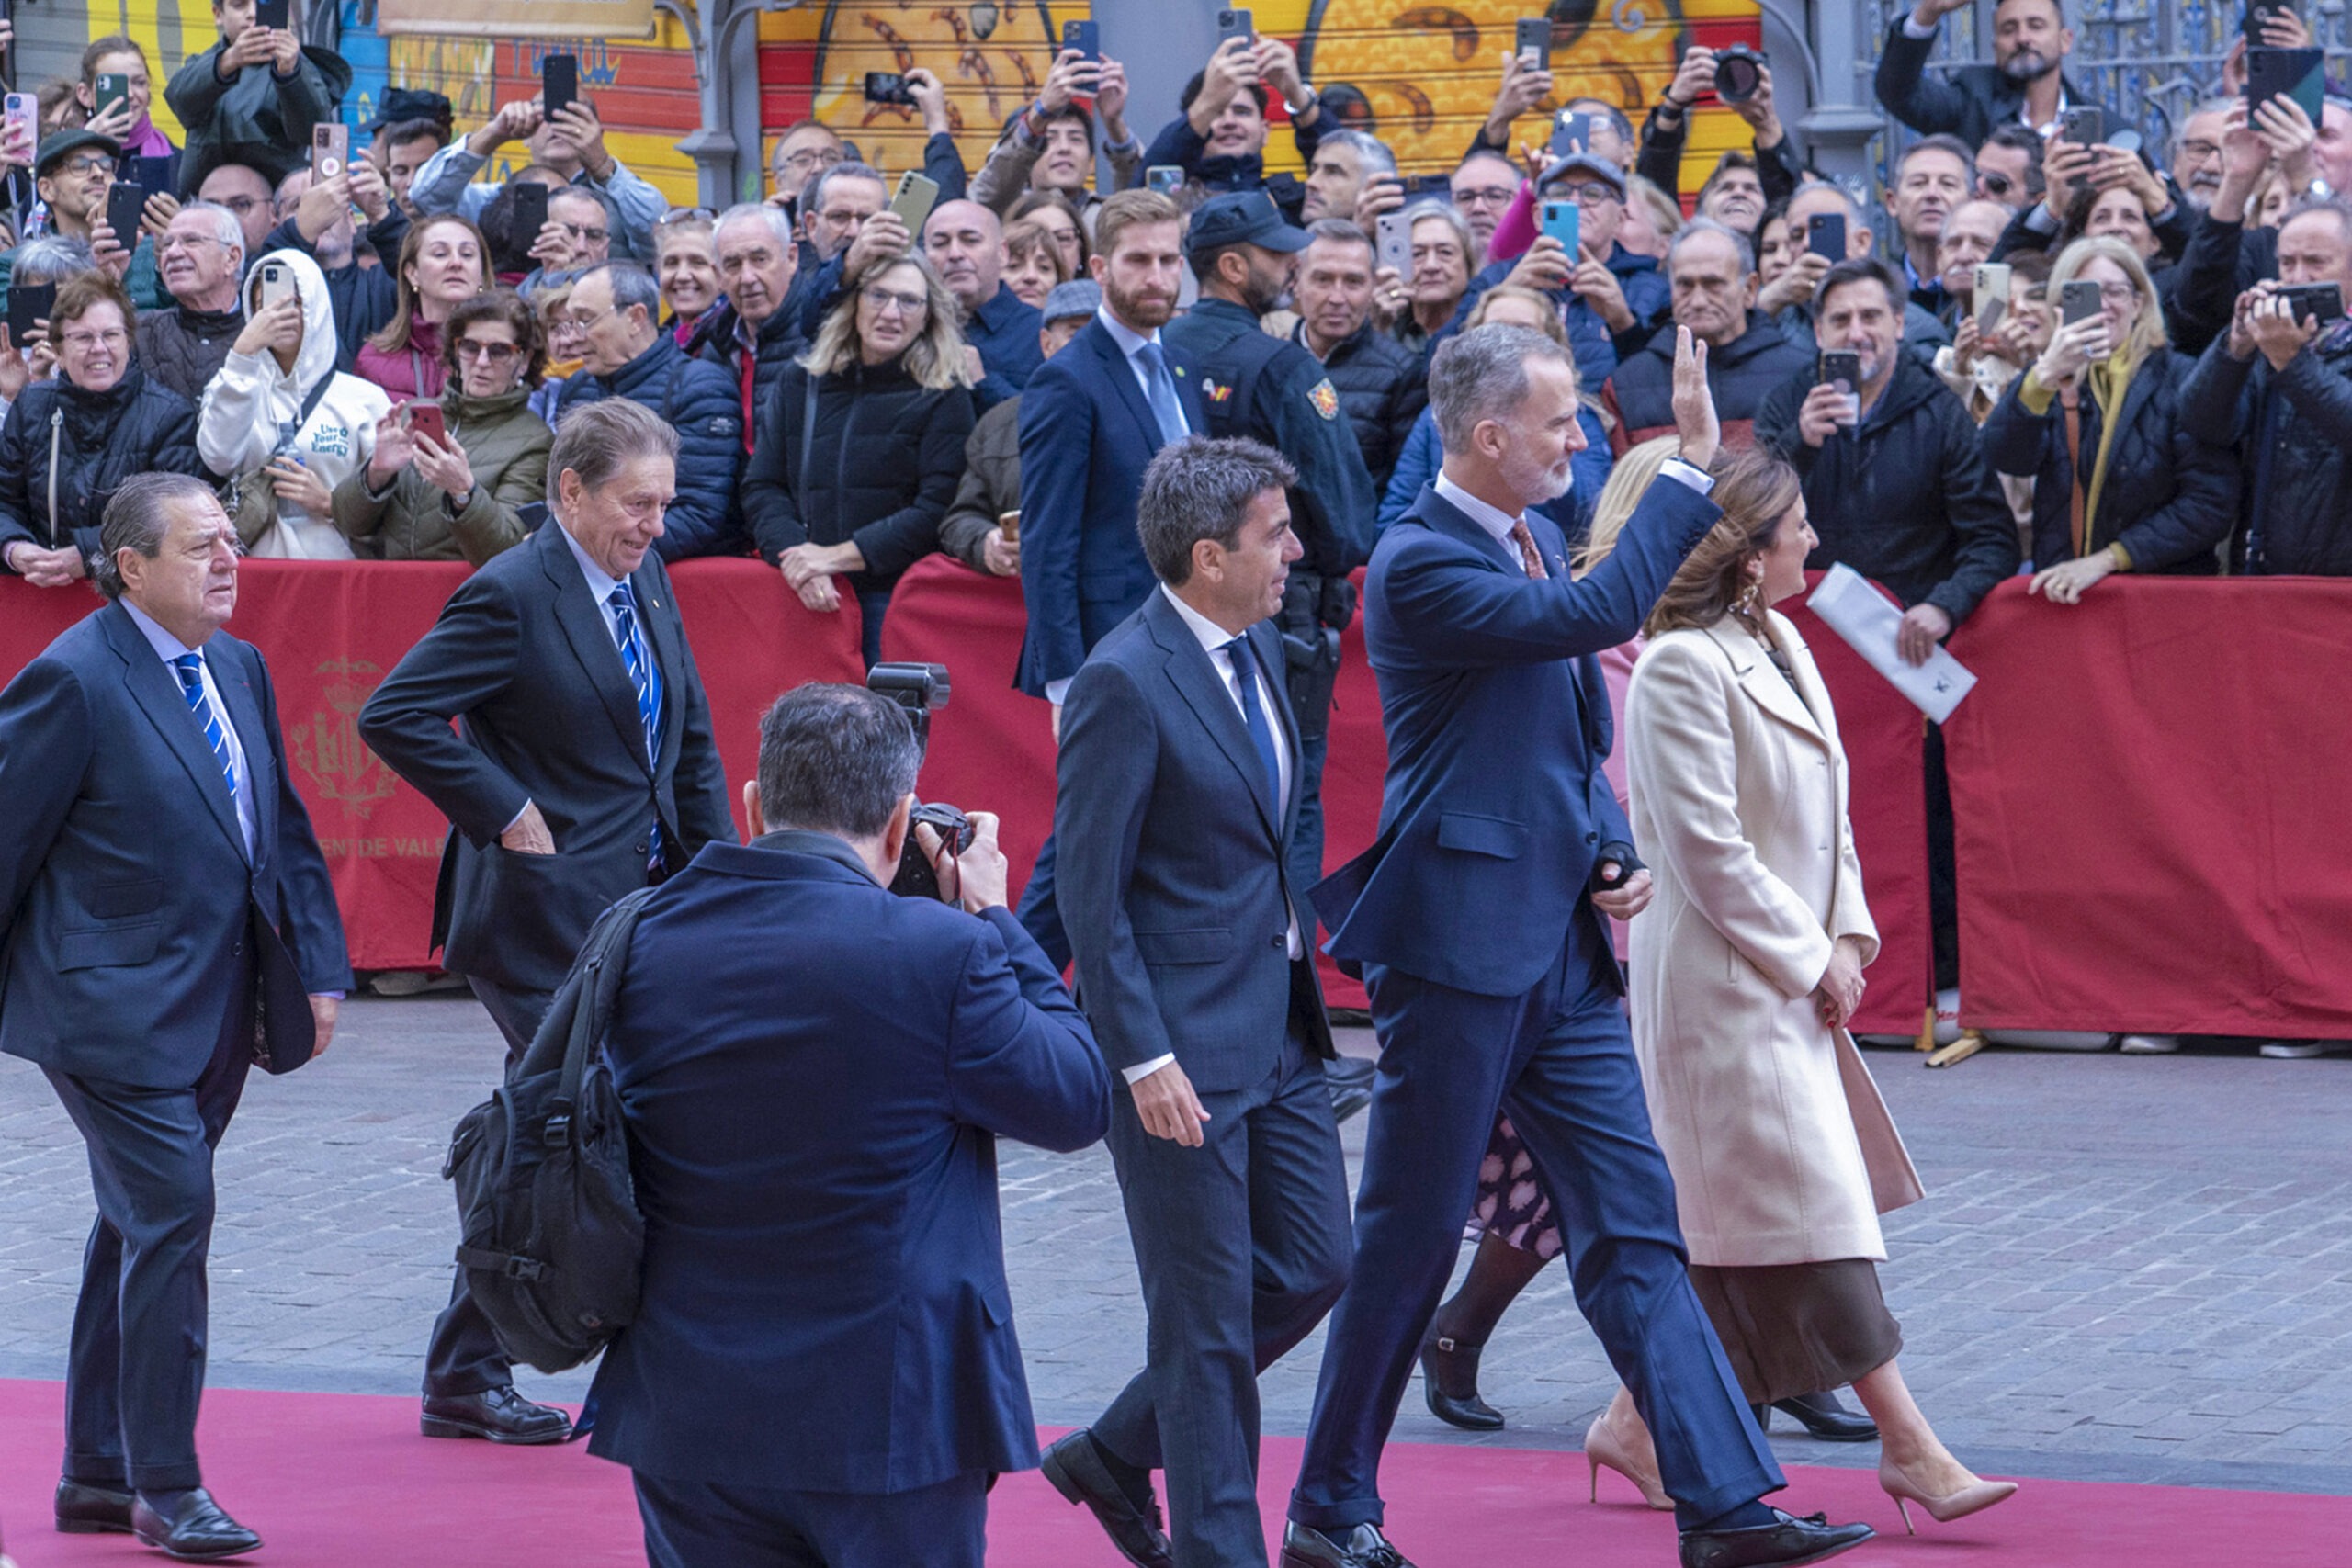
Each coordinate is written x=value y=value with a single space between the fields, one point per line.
x=505 y=445
x=259 y=119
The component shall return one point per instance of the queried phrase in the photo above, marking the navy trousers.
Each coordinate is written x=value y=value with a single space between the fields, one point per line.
x=1040 y=916
x=1242 y=1244
x=135 y=1371
x=1560 y=1060
x=696 y=1524
x=464 y=1355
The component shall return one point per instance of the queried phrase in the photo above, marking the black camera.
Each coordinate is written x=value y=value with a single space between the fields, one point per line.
x=920 y=689
x=2310 y=302
x=1739 y=72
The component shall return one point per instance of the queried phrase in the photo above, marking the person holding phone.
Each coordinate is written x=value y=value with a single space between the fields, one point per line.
x=1055 y=143
x=1819 y=220
x=443 y=263
x=571 y=143
x=73 y=173
x=2024 y=85
x=69 y=443
x=456 y=491
x=1610 y=298
x=1219 y=137
x=254 y=96
x=120 y=59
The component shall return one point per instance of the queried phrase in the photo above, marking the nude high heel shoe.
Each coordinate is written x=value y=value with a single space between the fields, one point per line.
x=1974 y=1498
x=1602 y=1448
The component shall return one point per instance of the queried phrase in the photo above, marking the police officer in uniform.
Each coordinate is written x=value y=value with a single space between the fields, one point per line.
x=1270 y=389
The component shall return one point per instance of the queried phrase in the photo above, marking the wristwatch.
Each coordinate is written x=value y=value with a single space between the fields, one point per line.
x=1312 y=98
x=2318 y=189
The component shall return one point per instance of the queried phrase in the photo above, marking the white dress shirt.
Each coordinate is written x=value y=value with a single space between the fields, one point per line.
x=168 y=648
x=1130 y=342
x=1213 y=638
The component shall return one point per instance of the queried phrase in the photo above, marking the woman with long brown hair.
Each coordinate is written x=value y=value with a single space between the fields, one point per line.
x=1746 y=967
x=444 y=262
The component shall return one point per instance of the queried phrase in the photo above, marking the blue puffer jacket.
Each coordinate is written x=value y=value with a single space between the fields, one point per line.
x=704 y=404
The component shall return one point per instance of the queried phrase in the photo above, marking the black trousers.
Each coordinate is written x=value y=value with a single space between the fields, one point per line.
x=135 y=1371
x=464 y=1355
x=699 y=1524
x=1243 y=1246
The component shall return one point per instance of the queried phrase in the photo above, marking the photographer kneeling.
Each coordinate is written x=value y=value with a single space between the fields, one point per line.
x=814 y=1072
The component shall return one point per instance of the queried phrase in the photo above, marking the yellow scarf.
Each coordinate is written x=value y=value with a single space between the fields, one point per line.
x=2109 y=380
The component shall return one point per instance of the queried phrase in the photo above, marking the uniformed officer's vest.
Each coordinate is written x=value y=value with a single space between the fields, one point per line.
x=1227 y=394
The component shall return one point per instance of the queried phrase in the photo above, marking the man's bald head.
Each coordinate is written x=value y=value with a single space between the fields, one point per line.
x=965 y=243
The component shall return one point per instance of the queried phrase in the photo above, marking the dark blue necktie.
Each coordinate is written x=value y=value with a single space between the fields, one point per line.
x=189 y=667
x=646 y=677
x=1253 y=714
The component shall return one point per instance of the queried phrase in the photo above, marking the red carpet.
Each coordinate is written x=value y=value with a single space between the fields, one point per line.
x=342 y=1480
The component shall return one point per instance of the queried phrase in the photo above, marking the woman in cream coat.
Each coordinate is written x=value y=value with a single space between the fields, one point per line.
x=1746 y=966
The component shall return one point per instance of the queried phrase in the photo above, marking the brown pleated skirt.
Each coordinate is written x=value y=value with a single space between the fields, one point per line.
x=1795 y=1328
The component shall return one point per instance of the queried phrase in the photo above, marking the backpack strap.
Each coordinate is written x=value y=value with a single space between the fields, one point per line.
x=576 y=1021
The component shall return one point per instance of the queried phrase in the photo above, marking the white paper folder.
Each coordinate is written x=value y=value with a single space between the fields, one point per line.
x=1849 y=606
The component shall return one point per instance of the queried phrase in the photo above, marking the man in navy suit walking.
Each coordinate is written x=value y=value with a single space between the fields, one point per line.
x=823 y=1372
x=1477 y=918
x=1090 y=420
x=1179 y=788
x=165 y=920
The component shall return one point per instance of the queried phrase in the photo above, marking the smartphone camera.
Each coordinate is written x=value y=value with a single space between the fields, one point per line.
x=888 y=88
x=1739 y=74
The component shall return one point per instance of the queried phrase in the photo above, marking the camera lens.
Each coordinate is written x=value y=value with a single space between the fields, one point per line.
x=1736 y=79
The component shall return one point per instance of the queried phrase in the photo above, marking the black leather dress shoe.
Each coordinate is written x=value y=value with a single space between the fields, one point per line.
x=1362 y=1546
x=500 y=1415
x=1447 y=1360
x=1077 y=1471
x=1784 y=1543
x=83 y=1510
x=1349 y=1080
x=189 y=1526
x=1825 y=1418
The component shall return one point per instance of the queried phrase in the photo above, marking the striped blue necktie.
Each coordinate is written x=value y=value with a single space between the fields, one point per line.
x=645 y=676
x=189 y=667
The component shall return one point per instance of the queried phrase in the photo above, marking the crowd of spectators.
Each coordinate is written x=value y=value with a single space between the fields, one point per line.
x=2065 y=352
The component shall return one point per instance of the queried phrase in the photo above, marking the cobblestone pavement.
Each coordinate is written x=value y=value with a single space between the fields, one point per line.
x=2128 y=1268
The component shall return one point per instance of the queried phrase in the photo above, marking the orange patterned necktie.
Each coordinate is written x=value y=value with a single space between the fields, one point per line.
x=1527 y=556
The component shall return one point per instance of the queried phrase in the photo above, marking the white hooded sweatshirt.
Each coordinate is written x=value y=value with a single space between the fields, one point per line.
x=250 y=407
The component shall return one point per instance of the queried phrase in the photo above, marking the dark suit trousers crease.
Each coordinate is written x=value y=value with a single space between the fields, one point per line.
x=464 y=1355
x=135 y=1372
x=693 y=1524
x=1039 y=914
x=1561 y=1061
x=1243 y=1246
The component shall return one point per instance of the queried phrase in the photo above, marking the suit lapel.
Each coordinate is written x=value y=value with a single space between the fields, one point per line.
x=1765 y=685
x=228 y=673
x=155 y=692
x=1130 y=390
x=583 y=627
x=1446 y=518
x=1196 y=680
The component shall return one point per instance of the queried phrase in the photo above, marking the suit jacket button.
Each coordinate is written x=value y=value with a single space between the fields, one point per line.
x=642 y=848
x=1278 y=939
x=1592 y=838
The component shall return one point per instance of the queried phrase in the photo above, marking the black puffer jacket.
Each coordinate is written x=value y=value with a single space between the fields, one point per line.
x=2295 y=428
x=2168 y=498
x=703 y=403
x=137 y=426
x=1904 y=499
x=183 y=349
x=779 y=343
x=1384 y=386
x=884 y=455
x=1741 y=374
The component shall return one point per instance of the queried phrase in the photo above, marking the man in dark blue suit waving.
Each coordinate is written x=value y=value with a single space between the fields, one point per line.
x=823 y=1372
x=1181 y=782
x=165 y=920
x=1090 y=420
x=1477 y=916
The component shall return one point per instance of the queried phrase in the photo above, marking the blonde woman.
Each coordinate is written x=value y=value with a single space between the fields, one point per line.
x=1746 y=966
x=2120 y=483
x=863 y=442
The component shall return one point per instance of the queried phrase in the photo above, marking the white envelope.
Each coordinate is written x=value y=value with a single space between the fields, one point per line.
x=1849 y=606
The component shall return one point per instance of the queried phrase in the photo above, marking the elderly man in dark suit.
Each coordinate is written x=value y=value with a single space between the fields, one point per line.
x=1091 y=419
x=1477 y=916
x=1181 y=784
x=824 y=1369
x=583 y=768
x=165 y=920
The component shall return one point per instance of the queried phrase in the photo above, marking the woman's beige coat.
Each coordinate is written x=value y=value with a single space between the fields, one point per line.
x=1782 y=1150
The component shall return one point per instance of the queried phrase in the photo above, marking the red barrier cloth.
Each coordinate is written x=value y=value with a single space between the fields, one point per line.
x=1884 y=737
x=2149 y=790
x=331 y=633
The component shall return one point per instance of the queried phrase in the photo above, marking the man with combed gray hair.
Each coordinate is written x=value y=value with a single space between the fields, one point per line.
x=1179 y=786
x=823 y=1366
x=1346 y=162
x=584 y=769
x=201 y=258
x=753 y=336
x=1711 y=270
x=1478 y=917
x=165 y=903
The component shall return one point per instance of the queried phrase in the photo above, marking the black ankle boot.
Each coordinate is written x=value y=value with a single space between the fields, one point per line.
x=1448 y=1365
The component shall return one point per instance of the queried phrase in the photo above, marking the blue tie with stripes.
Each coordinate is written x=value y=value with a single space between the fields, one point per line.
x=646 y=677
x=189 y=667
